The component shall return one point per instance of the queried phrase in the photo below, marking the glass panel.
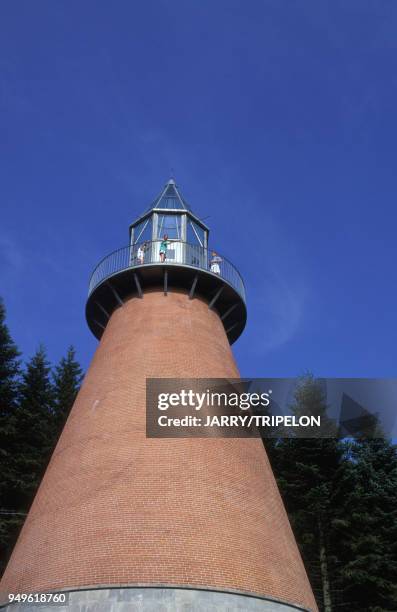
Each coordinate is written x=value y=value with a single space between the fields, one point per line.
x=170 y=203
x=143 y=231
x=170 y=225
x=195 y=233
x=170 y=200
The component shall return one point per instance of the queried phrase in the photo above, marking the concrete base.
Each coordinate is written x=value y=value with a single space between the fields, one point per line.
x=158 y=599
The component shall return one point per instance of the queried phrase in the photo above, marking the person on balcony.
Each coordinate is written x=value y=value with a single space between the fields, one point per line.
x=214 y=263
x=163 y=249
x=141 y=253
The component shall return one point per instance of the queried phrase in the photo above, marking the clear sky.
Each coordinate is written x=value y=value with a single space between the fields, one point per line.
x=279 y=120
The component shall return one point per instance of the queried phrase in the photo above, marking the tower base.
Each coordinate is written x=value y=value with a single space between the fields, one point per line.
x=153 y=599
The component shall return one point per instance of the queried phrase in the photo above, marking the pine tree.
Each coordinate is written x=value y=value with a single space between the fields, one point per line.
x=67 y=378
x=9 y=374
x=34 y=418
x=365 y=526
x=32 y=414
x=9 y=367
x=307 y=472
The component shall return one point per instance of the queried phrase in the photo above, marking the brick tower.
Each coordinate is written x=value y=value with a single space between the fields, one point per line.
x=124 y=522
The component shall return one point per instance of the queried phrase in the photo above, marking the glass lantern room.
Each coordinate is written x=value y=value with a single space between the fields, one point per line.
x=170 y=216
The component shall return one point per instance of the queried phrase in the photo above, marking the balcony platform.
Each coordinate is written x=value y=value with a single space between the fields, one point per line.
x=120 y=276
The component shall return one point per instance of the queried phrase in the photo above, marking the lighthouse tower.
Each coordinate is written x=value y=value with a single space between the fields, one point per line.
x=124 y=522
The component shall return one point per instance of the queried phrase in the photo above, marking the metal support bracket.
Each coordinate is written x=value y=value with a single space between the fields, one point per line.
x=193 y=287
x=216 y=296
x=228 y=311
x=165 y=281
x=138 y=285
x=116 y=295
x=232 y=327
x=105 y=312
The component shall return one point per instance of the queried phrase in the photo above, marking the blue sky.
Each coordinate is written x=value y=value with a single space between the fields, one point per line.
x=279 y=120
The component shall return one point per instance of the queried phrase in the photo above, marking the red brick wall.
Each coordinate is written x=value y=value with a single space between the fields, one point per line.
x=115 y=507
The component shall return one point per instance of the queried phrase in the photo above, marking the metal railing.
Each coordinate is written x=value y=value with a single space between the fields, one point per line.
x=177 y=253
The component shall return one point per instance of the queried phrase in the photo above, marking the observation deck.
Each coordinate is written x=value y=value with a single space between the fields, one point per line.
x=132 y=270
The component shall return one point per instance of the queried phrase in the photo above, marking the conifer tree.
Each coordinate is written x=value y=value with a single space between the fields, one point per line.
x=67 y=378
x=9 y=375
x=9 y=367
x=306 y=471
x=365 y=526
x=34 y=418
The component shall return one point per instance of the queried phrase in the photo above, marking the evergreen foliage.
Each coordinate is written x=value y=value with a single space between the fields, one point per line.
x=365 y=526
x=34 y=404
x=341 y=497
x=67 y=379
x=34 y=418
x=9 y=378
x=306 y=470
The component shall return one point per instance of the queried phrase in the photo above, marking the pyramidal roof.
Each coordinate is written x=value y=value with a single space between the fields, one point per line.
x=170 y=198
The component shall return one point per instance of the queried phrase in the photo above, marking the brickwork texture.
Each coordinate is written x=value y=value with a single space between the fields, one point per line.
x=117 y=508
